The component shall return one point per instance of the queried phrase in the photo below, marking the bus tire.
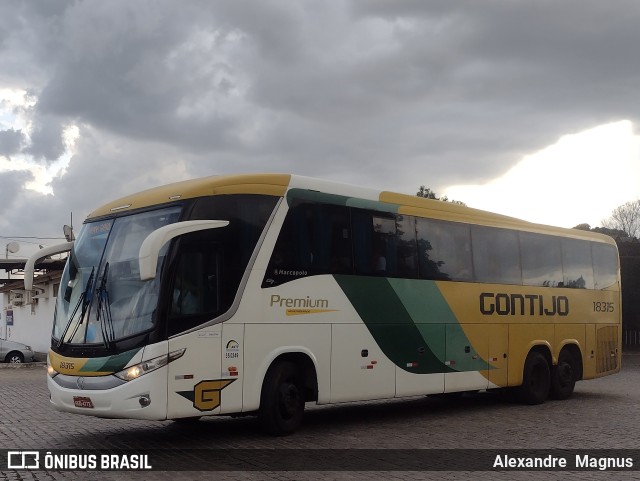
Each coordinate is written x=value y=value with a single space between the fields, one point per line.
x=282 y=399
x=536 y=380
x=563 y=376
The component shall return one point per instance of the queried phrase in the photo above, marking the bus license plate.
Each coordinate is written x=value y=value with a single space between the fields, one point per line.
x=82 y=402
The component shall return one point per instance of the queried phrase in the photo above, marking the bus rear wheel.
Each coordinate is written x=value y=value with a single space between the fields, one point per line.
x=282 y=399
x=563 y=376
x=536 y=380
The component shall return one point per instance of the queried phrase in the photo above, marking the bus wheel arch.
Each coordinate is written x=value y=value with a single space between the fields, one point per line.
x=566 y=372
x=536 y=376
x=290 y=381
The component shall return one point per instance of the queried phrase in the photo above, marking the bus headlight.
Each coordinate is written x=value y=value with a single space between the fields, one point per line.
x=51 y=371
x=140 y=369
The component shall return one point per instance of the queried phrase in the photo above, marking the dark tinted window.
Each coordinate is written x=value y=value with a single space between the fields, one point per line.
x=208 y=265
x=407 y=248
x=315 y=239
x=321 y=238
x=247 y=215
x=198 y=289
x=577 y=265
x=444 y=250
x=541 y=258
x=374 y=242
x=605 y=265
x=496 y=256
x=384 y=244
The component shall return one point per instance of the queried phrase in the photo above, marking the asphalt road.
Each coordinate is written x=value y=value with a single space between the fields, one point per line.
x=602 y=414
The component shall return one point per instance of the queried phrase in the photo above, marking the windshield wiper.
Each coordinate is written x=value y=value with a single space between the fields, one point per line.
x=84 y=301
x=104 y=305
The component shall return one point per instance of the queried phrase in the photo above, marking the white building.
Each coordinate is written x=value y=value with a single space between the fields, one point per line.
x=27 y=316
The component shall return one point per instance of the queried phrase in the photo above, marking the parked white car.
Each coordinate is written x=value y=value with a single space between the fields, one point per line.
x=15 y=352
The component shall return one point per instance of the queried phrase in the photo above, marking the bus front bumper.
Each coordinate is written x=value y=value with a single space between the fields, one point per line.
x=110 y=397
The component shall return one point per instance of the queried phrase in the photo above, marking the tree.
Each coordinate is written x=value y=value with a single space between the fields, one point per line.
x=625 y=218
x=615 y=233
x=427 y=193
x=585 y=226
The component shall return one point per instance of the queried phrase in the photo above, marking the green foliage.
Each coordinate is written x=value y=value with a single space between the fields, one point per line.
x=427 y=193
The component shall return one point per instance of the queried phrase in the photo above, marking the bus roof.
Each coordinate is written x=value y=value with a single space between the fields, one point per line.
x=270 y=184
x=279 y=184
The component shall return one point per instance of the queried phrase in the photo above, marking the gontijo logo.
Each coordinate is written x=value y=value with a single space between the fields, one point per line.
x=297 y=306
x=504 y=304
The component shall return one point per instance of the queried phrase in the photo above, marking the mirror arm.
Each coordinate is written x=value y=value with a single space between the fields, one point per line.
x=29 y=267
x=150 y=248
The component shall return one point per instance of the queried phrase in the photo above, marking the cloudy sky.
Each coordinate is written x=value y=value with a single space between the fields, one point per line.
x=525 y=108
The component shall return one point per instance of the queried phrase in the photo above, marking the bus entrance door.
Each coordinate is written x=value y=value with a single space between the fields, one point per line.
x=195 y=382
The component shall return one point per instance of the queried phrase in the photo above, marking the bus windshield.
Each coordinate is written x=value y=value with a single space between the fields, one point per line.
x=102 y=298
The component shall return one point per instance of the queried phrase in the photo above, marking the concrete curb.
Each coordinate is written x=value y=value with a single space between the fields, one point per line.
x=23 y=365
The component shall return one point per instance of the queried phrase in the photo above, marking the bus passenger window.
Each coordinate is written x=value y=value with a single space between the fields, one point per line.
x=541 y=260
x=315 y=239
x=407 y=250
x=375 y=243
x=577 y=264
x=444 y=250
x=605 y=265
x=496 y=255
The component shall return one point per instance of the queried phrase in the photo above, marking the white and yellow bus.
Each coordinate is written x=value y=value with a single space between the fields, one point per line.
x=258 y=293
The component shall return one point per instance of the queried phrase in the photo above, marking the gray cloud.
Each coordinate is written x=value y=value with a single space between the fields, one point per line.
x=387 y=94
x=47 y=138
x=12 y=187
x=11 y=142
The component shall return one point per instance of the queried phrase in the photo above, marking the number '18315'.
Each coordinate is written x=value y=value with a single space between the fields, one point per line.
x=603 y=307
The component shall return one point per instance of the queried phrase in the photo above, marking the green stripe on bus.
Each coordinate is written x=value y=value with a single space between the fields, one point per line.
x=412 y=323
x=436 y=321
x=391 y=325
x=109 y=364
x=423 y=300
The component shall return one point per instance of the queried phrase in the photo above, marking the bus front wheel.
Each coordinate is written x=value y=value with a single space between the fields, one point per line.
x=536 y=380
x=282 y=399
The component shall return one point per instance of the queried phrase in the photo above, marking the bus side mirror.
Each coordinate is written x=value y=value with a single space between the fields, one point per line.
x=150 y=248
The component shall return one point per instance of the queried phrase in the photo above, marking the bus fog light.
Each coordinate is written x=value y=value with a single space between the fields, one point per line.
x=144 y=401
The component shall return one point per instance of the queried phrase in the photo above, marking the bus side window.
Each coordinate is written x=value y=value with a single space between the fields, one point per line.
x=196 y=293
x=375 y=243
x=407 y=249
x=315 y=239
x=444 y=250
x=187 y=290
x=496 y=255
x=541 y=257
x=605 y=265
x=577 y=264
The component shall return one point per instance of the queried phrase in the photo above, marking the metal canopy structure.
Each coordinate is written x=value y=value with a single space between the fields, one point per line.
x=17 y=265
